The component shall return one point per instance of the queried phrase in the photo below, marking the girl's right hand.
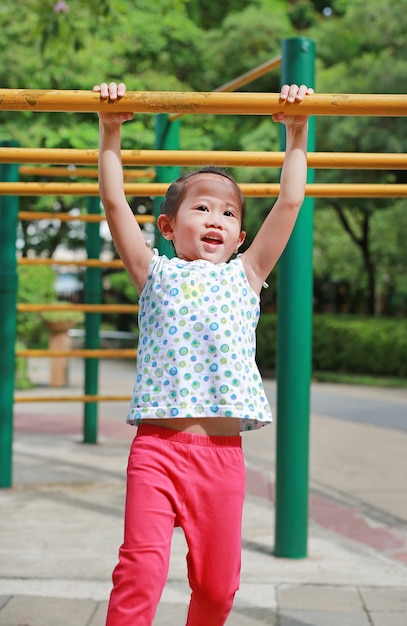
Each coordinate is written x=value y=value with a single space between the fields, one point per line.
x=289 y=94
x=113 y=91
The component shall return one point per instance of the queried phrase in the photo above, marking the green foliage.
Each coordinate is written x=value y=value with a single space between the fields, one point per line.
x=200 y=45
x=362 y=51
x=348 y=344
x=122 y=291
x=121 y=283
x=21 y=376
x=375 y=346
x=74 y=318
x=267 y=342
x=390 y=226
x=302 y=15
x=36 y=286
x=245 y=40
x=208 y=14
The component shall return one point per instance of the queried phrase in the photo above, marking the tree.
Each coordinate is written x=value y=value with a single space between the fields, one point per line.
x=68 y=45
x=362 y=52
x=194 y=45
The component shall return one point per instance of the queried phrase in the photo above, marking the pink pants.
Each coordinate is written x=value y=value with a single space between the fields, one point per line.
x=193 y=481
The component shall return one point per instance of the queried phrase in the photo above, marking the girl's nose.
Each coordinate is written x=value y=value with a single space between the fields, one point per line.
x=214 y=219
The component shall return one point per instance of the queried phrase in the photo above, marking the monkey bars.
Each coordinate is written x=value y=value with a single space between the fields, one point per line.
x=316 y=160
x=295 y=303
x=79 y=172
x=252 y=190
x=215 y=103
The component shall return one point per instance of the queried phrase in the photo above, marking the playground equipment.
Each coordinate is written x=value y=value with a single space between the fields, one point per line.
x=295 y=268
x=221 y=158
x=250 y=190
x=202 y=103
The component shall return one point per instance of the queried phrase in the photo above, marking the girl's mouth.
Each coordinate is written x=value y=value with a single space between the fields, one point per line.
x=213 y=241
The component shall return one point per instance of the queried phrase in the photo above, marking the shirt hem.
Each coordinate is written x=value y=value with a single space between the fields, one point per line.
x=245 y=422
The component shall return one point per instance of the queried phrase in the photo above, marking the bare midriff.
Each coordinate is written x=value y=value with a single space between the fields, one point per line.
x=212 y=426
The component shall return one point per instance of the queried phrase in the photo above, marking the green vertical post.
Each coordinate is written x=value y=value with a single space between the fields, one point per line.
x=8 y=319
x=294 y=344
x=92 y=295
x=166 y=138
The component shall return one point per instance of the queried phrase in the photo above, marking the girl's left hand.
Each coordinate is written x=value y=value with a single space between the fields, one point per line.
x=288 y=94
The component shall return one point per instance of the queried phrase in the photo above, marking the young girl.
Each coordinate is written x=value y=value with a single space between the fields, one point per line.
x=197 y=385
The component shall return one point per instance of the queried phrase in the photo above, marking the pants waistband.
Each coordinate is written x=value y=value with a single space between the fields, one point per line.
x=180 y=436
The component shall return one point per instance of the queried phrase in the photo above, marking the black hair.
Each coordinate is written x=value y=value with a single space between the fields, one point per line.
x=176 y=192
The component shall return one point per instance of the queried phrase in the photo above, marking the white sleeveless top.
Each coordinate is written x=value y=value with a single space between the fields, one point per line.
x=196 y=349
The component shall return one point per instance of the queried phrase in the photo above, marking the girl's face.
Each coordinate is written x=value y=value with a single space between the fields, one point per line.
x=207 y=224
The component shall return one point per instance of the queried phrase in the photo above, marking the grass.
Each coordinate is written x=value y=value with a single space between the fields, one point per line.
x=359 y=379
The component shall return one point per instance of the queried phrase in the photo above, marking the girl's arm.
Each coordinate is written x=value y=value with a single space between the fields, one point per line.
x=272 y=238
x=124 y=228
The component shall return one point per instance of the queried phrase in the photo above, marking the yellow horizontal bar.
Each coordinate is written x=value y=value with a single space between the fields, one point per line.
x=52 y=189
x=74 y=172
x=61 y=156
x=203 y=102
x=76 y=189
x=85 y=263
x=62 y=217
x=66 y=217
x=349 y=190
x=86 y=354
x=86 y=399
x=225 y=158
x=85 y=308
x=250 y=190
x=318 y=160
x=79 y=172
x=356 y=160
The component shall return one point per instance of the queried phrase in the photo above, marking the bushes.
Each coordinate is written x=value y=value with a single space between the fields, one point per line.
x=35 y=285
x=21 y=377
x=345 y=344
x=267 y=342
x=357 y=345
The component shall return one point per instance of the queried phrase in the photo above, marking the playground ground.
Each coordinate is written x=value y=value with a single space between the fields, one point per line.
x=61 y=523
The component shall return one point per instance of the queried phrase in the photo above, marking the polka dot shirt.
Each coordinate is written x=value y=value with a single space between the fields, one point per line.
x=196 y=351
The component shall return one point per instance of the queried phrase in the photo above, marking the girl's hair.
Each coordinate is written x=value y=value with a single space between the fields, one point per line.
x=176 y=192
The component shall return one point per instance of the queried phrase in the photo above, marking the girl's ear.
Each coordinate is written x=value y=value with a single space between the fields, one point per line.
x=241 y=239
x=165 y=227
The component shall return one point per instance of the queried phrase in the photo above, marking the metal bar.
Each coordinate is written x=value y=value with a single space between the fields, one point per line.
x=66 y=217
x=61 y=156
x=294 y=346
x=30 y=399
x=250 y=190
x=79 y=172
x=86 y=354
x=317 y=160
x=35 y=216
x=102 y=308
x=92 y=295
x=357 y=160
x=386 y=105
x=88 y=263
x=8 y=319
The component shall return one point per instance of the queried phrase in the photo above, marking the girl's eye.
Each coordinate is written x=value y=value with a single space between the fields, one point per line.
x=229 y=214
x=201 y=208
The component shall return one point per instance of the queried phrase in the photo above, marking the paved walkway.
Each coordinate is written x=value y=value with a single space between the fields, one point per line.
x=61 y=524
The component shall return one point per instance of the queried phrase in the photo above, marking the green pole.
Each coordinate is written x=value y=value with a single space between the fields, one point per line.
x=166 y=138
x=8 y=318
x=92 y=295
x=294 y=345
